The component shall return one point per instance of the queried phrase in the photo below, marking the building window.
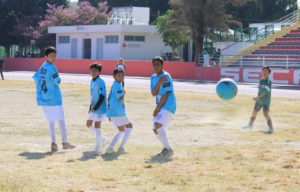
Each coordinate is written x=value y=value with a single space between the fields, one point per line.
x=129 y=38
x=134 y=38
x=139 y=38
x=112 y=39
x=63 y=39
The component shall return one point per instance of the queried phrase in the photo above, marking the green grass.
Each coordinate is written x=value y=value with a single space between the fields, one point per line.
x=211 y=152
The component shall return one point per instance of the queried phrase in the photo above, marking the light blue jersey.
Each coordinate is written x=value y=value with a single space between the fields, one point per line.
x=116 y=108
x=98 y=88
x=47 y=85
x=166 y=87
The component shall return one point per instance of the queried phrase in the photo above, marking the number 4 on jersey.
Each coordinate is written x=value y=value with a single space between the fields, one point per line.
x=44 y=87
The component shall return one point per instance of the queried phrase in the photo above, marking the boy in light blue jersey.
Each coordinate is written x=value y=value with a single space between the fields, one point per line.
x=162 y=88
x=97 y=109
x=49 y=97
x=116 y=111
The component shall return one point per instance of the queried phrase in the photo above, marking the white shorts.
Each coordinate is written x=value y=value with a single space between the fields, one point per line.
x=120 y=121
x=163 y=117
x=97 y=117
x=54 y=113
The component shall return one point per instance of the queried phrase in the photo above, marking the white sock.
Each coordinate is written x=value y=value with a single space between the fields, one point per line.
x=162 y=136
x=126 y=136
x=63 y=131
x=98 y=138
x=52 y=131
x=115 y=139
x=92 y=128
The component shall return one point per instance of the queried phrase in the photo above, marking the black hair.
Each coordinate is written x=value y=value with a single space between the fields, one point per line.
x=116 y=71
x=97 y=66
x=268 y=68
x=157 y=58
x=49 y=50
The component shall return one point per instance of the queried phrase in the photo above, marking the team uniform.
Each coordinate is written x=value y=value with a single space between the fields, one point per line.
x=265 y=86
x=49 y=96
x=169 y=108
x=116 y=109
x=166 y=112
x=97 y=88
x=121 y=66
x=116 y=112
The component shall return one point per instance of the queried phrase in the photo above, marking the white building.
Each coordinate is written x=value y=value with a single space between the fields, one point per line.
x=125 y=36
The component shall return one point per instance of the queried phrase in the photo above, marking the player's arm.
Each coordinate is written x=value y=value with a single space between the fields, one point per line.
x=161 y=103
x=121 y=97
x=90 y=108
x=120 y=93
x=99 y=102
x=55 y=77
x=155 y=90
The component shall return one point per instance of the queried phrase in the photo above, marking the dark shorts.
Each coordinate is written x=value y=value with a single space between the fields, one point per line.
x=258 y=107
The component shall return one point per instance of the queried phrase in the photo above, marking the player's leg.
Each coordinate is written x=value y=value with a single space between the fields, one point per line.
x=126 y=137
x=53 y=136
x=63 y=132
x=89 y=124
x=161 y=121
x=269 y=121
x=256 y=109
x=98 y=135
x=116 y=137
x=162 y=137
x=63 y=128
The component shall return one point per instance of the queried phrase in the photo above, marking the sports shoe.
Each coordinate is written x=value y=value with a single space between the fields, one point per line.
x=247 y=127
x=67 y=146
x=54 y=147
x=109 y=150
x=161 y=153
x=168 y=152
x=270 y=131
x=121 y=150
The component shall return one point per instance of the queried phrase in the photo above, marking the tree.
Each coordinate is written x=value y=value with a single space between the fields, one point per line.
x=172 y=34
x=201 y=15
x=262 y=11
x=84 y=14
x=14 y=13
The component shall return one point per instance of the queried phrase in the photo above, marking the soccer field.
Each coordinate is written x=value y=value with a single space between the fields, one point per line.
x=212 y=153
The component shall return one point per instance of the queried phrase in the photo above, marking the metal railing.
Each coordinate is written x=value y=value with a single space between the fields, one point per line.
x=253 y=34
x=274 y=61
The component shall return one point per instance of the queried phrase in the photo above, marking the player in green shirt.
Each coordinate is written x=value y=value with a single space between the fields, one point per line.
x=263 y=100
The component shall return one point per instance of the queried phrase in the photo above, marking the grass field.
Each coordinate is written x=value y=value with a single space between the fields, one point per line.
x=212 y=153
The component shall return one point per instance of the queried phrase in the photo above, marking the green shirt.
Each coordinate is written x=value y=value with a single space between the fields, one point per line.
x=265 y=86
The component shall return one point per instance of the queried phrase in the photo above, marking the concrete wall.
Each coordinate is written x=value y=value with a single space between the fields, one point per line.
x=178 y=70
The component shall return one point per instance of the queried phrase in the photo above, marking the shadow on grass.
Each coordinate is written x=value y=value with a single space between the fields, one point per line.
x=266 y=132
x=87 y=155
x=159 y=159
x=111 y=156
x=36 y=155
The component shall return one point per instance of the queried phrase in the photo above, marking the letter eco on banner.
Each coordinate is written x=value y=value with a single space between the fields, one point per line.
x=252 y=75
